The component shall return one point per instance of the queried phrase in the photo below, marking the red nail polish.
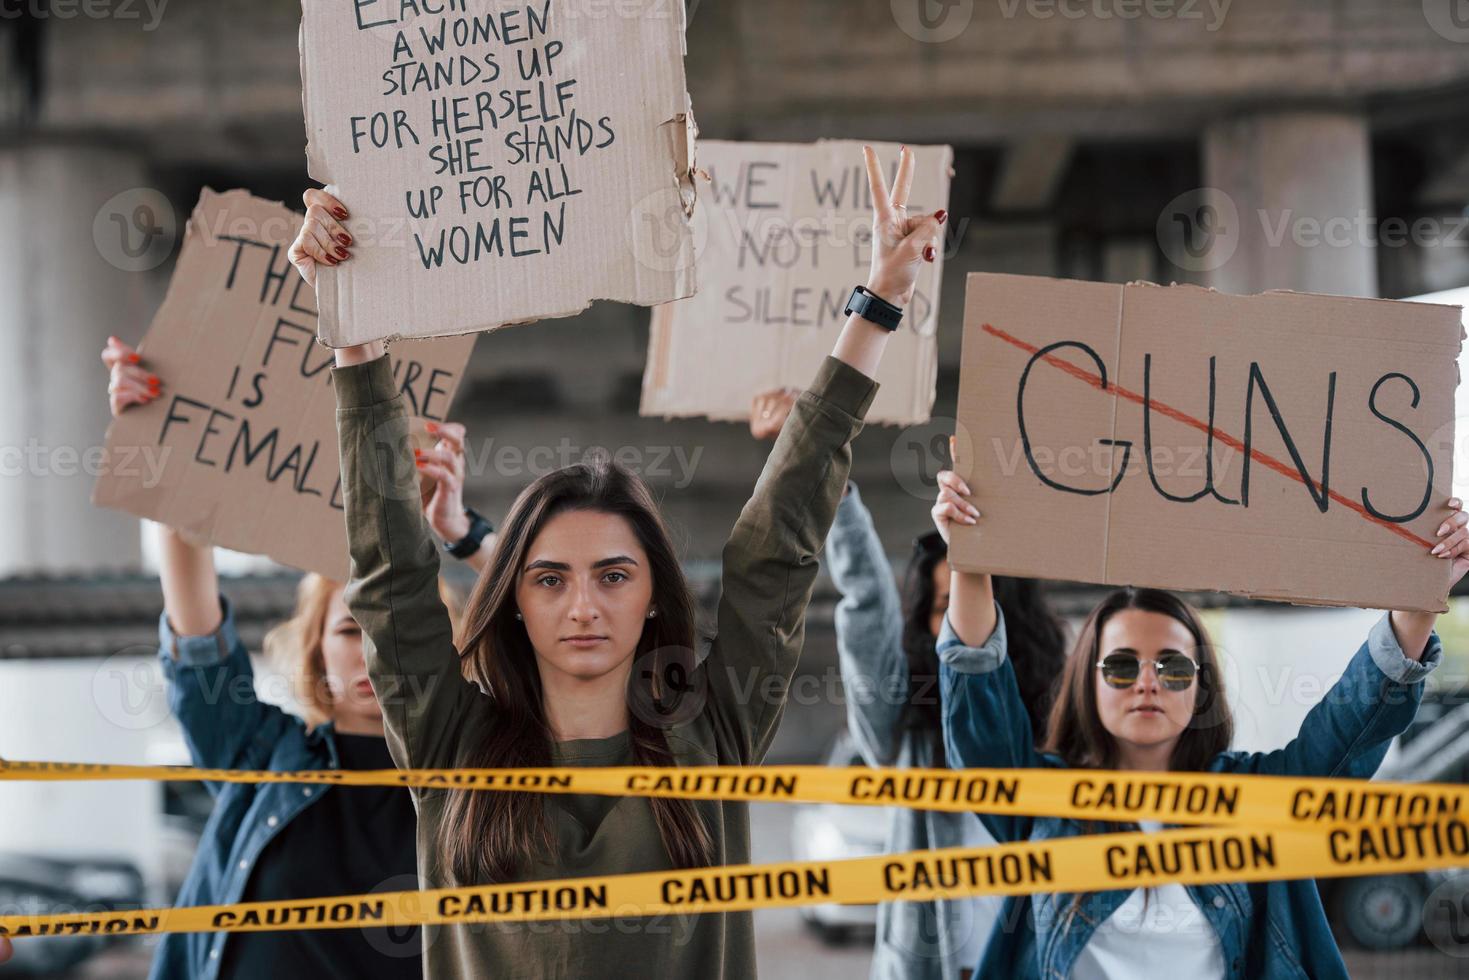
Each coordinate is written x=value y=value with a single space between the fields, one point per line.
x=134 y=359
x=341 y=213
x=345 y=239
x=341 y=253
x=928 y=253
x=942 y=216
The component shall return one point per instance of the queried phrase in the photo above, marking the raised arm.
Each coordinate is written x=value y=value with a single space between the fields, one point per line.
x=986 y=724
x=1349 y=731
x=869 y=626
x=210 y=680
x=393 y=592
x=770 y=561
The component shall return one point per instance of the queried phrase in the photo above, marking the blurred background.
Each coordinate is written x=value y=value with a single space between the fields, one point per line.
x=1317 y=145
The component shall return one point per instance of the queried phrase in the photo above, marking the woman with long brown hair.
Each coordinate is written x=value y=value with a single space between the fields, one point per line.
x=1143 y=691
x=582 y=636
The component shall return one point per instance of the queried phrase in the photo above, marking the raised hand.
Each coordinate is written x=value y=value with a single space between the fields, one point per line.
x=901 y=242
x=443 y=492
x=129 y=383
x=951 y=507
x=769 y=411
x=1453 y=543
x=322 y=239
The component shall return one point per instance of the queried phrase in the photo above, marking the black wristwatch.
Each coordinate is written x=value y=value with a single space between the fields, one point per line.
x=870 y=306
x=469 y=544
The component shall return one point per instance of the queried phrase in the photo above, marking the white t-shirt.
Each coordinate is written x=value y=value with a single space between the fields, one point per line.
x=1168 y=940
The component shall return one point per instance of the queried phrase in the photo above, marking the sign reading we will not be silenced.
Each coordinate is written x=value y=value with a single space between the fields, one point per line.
x=784 y=232
x=502 y=162
x=1284 y=446
x=246 y=425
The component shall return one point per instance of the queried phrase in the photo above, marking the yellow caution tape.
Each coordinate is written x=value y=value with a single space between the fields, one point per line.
x=1084 y=794
x=1075 y=864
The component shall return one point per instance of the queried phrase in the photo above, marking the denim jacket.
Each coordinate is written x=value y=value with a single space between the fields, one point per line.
x=1267 y=930
x=211 y=691
x=915 y=940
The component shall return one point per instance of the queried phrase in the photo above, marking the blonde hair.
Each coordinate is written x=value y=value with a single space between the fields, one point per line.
x=294 y=646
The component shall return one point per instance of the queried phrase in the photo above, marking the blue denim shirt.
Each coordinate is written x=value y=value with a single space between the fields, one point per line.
x=1267 y=930
x=211 y=691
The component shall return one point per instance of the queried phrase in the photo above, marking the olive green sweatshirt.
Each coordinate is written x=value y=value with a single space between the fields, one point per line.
x=769 y=570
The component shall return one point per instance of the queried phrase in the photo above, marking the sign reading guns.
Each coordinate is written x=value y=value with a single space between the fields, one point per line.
x=1283 y=446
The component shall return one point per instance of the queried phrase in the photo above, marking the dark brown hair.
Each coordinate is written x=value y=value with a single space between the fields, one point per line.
x=495 y=837
x=1034 y=636
x=1075 y=732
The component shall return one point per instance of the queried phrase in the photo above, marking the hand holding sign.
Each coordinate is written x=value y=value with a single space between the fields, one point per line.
x=1454 y=540
x=322 y=238
x=129 y=383
x=951 y=505
x=443 y=494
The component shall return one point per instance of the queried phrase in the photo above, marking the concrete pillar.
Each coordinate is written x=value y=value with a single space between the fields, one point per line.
x=1290 y=205
x=81 y=235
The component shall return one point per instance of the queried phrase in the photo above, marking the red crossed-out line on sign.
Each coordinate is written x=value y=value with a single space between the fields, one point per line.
x=1290 y=472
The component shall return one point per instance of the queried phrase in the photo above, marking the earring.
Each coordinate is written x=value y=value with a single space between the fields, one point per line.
x=519 y=616
x=652 y=613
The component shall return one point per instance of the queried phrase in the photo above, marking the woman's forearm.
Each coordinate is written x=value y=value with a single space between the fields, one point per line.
x=190 y=584
x=360 y=353
x=861 y=345
x=1413 y=630
x=972 y=607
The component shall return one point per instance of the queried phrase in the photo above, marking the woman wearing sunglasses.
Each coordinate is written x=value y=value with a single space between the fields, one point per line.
x=1143 y=691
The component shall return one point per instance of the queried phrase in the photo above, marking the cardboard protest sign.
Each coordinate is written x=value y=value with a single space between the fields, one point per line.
x=1283 y=446
x=502 y=162
x=784 y=233
x=246 y=426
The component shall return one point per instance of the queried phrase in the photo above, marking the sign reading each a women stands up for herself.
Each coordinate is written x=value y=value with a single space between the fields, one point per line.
x=502 y=162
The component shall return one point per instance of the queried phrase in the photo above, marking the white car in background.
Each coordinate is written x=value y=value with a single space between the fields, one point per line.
x=833 y=832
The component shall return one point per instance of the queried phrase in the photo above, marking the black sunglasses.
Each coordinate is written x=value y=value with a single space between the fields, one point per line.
x=1175 y=670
